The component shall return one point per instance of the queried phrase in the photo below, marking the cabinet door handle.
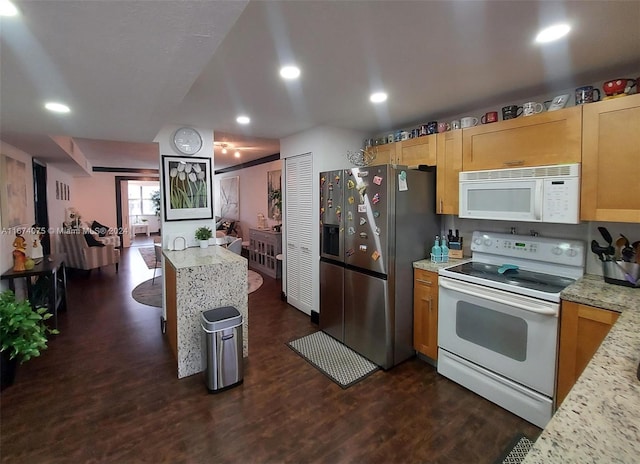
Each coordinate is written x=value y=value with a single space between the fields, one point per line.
x=514 y=163
x=441 y=207
x=424 y=281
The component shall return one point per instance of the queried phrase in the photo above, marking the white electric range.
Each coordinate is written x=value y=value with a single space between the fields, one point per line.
x=498 y=319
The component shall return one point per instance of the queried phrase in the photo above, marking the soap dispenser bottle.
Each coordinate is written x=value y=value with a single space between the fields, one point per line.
x=436 y=251
x=445 y=251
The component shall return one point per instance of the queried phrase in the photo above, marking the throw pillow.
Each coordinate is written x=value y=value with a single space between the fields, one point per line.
x=92 y=242
x=102 y=230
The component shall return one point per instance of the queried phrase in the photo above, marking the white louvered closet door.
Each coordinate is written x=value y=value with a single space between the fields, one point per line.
x=299 y=231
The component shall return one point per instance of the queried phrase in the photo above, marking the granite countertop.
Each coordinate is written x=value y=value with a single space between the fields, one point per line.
x=428 y=265
x=599 y=421
x=194 y=257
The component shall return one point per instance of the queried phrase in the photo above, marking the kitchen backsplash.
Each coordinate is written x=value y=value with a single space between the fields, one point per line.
x=585 y=231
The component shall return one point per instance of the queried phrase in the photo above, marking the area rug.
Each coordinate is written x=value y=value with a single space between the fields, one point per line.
x=516 y=451
x=149 y=256
x=151 y=295
x=335 y=360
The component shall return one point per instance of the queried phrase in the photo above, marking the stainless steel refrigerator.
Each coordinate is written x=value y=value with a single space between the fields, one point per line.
x=375 y=221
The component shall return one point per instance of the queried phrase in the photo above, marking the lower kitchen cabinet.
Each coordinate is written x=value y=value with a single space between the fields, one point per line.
x=582 y=329
x=425 y=312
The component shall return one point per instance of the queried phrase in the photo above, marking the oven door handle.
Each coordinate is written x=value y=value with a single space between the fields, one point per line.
x=480 y=293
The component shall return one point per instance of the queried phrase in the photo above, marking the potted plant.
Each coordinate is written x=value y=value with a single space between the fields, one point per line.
x=23 y=333
x=203 y=234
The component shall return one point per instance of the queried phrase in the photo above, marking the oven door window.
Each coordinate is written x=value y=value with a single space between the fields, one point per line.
x=496 y=331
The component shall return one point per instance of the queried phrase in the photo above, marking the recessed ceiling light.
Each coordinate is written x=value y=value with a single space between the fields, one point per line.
x=551 y=33
x=243 y=120
x=290 y=72
x=237 y=154
x=7 y=8
x=57 y=107
x=224 y=151
x=378 y=97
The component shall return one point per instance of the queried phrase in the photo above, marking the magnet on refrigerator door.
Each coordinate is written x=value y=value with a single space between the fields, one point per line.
x=375 y=255
x=377 y=180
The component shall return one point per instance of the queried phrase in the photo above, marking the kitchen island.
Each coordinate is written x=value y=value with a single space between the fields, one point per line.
x=599 y=419
x=196 y=280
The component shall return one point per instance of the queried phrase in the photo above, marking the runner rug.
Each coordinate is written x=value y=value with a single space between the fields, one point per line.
x=149 y=256
x=516 y=451
x=335 y=360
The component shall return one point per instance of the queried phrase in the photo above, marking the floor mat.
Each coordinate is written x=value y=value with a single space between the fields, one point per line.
x=151 y=294
x=516 y=451
x=149 y=256
x=338 y=362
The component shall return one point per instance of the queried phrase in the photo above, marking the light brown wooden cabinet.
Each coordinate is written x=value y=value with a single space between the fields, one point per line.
x=448 y=167
x=611 y=160
x=582 y=329
x=543 y=139
x=385 y=154
x=420 y=150
x=425 y=312
x=171 y=322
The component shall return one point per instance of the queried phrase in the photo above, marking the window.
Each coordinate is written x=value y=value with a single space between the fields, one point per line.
x=140 y=203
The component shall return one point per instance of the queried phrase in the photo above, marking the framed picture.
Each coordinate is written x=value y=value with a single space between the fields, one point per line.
x=228 y=198
x=274 y=194
x=13 y=198
x=187 y=188
x=57 y=190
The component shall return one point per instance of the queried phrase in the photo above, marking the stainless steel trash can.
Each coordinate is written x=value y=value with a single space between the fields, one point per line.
x=222 y=348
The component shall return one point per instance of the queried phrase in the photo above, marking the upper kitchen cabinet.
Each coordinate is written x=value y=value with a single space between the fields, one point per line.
x=448 y=167
x=385 y=154
x=539 y=140
x=420 y=150
x=611 y=161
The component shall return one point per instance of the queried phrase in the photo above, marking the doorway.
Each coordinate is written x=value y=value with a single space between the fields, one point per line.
x=136 y=209
x=40 y=204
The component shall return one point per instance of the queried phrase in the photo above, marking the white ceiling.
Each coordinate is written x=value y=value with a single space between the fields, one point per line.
x=128 y=68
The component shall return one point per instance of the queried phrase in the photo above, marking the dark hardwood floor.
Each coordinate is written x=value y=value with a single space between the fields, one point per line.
x=106 y=391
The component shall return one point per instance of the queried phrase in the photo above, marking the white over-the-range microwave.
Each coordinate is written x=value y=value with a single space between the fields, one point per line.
x=535 y=194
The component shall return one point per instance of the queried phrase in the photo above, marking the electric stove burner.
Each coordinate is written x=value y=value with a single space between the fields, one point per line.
x=516 y=277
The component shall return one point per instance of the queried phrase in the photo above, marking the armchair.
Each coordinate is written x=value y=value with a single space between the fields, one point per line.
x=82 y=256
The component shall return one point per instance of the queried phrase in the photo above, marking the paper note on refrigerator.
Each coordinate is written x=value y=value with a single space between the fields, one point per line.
x=402 y=182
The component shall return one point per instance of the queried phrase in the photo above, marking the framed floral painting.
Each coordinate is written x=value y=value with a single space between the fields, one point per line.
x=187 y=188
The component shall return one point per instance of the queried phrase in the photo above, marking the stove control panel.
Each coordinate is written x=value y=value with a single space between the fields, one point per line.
x=559 y=251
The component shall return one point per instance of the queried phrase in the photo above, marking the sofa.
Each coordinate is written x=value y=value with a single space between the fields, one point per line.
x=80 y=255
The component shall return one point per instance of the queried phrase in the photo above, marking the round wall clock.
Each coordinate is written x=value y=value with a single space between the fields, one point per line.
x=187 y=141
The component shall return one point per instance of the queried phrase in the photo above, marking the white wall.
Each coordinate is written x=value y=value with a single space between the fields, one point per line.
x=186 y=229
x=8 y=234
x=253 y=193
x=95 y=198
x=328 y=147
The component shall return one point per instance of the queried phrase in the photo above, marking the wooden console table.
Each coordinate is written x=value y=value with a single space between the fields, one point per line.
x=50 y=275
x=264 y=246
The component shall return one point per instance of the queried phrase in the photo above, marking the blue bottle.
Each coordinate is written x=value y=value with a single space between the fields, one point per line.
x=436 y=251
x=445 y=251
